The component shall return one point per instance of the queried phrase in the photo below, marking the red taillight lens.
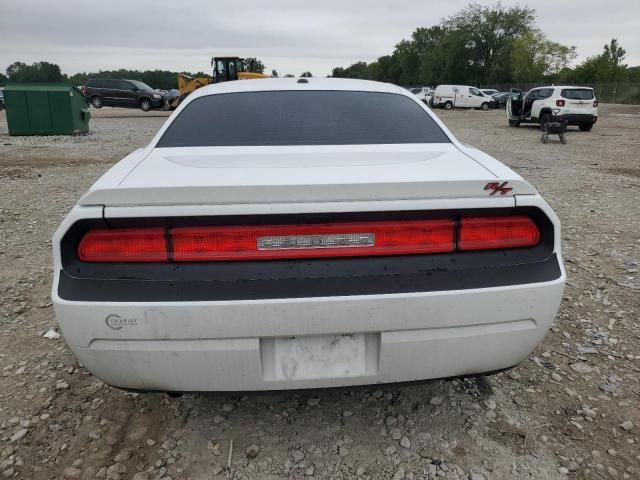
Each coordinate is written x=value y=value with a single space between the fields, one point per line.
x=312 y=241
x=124 y=245
x=560 y=103
x=486 y=233
x=347 y=239
x=595 y=103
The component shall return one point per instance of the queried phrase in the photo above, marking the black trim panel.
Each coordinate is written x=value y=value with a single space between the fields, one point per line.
x=437 y=279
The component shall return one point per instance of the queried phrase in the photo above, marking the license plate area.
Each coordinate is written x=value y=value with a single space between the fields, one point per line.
x=312 y=357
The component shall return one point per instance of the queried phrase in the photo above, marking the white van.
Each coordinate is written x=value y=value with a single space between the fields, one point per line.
x=450 y=96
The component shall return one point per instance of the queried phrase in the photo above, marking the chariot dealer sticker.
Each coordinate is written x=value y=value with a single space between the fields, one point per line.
x=116 y=322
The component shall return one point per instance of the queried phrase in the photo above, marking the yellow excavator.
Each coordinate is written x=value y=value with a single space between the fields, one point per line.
x=224 y=69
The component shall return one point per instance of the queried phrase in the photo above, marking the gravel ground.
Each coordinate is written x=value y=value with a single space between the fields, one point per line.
x=569 y=410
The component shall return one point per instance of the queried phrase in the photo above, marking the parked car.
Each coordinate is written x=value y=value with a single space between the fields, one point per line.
x=489 y=91
x=501 y=99
x=575 y=105
x=423 y=93
x=305 y=233
x=464 y=96
x=105 y=92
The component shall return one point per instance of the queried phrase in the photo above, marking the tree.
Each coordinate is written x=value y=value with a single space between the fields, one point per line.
x=252 y=64
x=633 y=74
x=274 y=73
x=306 y=74
x=489 y=33
x=38 y=72
x=478 y=45
x=535 y=58
x=613 y=56
x=606 y=67
x=3 y=80
x=289 y=75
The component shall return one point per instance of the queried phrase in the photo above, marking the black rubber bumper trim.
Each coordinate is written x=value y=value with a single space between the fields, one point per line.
x=438 y=279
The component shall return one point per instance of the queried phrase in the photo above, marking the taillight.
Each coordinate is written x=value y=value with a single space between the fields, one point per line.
x=305 y=241
x=559 y=103
x=124 y=245
x=487 y=233
x=345 y=239
x=595 y=103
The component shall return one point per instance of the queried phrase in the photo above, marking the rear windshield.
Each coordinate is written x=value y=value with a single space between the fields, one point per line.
x=577 y=93
x=301 y=118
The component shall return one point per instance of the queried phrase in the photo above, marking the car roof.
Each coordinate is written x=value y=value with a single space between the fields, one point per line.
x=562 y=86
x=280 y=84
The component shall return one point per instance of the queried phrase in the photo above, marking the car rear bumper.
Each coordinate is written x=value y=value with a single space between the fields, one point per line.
x=230 y=345
x=580 y=118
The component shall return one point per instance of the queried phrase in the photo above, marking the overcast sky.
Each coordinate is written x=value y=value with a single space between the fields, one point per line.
x=290 y=36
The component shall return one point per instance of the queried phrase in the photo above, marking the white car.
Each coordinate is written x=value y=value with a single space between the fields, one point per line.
x=423 y=93
x=490 y=92
x=576 y=105
x=461 y=96
x=304 y=233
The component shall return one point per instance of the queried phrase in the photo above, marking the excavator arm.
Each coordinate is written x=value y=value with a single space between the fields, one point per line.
x=186 y=85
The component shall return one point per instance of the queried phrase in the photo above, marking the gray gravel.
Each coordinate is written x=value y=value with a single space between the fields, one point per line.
x=569 y=411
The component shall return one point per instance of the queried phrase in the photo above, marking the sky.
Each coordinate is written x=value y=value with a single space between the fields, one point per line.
x=291 y=36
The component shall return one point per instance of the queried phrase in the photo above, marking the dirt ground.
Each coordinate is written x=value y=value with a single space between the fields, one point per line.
x=569 y=410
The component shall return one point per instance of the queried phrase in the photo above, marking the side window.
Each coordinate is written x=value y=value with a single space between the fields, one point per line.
x=544 y=93
x=220 y=70
x=476 y=92
x=415 y=90
x=111 y=84
x=124 y=85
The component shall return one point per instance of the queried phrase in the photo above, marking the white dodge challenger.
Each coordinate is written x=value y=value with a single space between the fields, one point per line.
x=284 y=234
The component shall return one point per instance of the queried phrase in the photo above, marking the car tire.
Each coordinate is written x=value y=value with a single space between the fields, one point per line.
x=96 y=101
x=514 y=123
x=448 y=105
x=484 y=107
x=545 y=118
x=145 y=104
x=585 y=127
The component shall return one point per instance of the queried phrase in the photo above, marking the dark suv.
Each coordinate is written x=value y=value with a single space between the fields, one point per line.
x=103 y=92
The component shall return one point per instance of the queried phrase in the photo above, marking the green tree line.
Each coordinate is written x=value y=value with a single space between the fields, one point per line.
x=484 y=45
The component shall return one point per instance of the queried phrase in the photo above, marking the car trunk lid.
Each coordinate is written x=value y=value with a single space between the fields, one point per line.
x=259 y=175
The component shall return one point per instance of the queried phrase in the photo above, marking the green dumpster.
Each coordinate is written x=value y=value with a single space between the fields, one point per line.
x=46 y=109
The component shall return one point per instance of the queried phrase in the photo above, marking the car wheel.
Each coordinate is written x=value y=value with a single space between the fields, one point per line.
x=145 y=104
x=448 y=105
x=585 y=127
x=514 y=123
x=484 y=106
x=546 y=118
x=96 y=102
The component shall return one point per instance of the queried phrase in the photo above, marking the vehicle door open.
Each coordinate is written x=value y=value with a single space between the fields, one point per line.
x=514 y=104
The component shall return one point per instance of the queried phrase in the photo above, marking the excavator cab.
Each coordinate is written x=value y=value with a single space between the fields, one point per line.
x=226 y=68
